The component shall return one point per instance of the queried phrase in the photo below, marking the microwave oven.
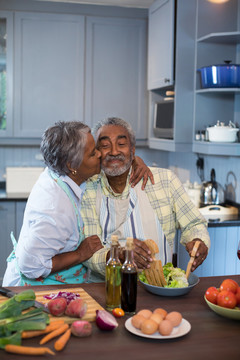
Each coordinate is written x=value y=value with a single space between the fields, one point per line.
x=163 y=118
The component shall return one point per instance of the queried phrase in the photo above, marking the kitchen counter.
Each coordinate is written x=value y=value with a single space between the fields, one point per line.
x=211 y=336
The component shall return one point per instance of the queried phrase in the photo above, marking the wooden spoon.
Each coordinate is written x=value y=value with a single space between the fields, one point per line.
x=193 y=253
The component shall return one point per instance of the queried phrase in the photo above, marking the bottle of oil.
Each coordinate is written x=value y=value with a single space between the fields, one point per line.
x=129 y=280
x=113 y=276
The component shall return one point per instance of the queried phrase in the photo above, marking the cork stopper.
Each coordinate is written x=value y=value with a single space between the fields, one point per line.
x=114 y=240
x=129 y=243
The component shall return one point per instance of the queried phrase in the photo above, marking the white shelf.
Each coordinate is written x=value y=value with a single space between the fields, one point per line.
x=218 y=90
x=221 y=38
x=215 y=148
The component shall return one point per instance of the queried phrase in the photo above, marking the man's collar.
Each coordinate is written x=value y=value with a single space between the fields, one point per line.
x=107 y=190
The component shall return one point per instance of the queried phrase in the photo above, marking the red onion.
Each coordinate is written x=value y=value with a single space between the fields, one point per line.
x=69 y=296
x=105 y=320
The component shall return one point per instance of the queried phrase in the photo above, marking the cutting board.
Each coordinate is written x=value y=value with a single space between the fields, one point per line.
x=92 y=305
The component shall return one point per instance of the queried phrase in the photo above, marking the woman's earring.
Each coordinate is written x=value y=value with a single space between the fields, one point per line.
x=74 y=172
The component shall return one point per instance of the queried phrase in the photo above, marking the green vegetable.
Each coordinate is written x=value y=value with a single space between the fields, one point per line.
x=175 y=277
x=15 y=305
x=14 y=339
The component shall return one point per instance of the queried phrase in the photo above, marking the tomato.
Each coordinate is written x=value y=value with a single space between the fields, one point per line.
x=229 y=285
x=211 y=294
x=117 y=312
x=238 y=295
x=227 y=299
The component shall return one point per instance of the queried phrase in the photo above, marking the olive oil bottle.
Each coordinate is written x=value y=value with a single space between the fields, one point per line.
x=129 y=280
x=113 y=276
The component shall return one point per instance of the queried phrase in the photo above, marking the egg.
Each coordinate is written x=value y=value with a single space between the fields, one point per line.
x=145 y=313
x=149 y=327
x=160 y=311
x=137 y=321
x=157 y=318
x=165 y=327
x=175 y=317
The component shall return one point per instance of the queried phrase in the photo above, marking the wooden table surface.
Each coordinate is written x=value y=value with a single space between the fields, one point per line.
x=211 y=336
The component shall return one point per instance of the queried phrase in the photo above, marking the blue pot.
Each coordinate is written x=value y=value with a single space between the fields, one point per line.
x=220 y=76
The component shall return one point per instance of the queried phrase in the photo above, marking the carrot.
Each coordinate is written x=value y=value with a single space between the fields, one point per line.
x=62 y=341
x=54 y=333
x=33 y=333
x=28 y=350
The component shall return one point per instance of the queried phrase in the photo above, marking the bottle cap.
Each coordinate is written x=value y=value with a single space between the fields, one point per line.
x=114 y=239
x=129 y=243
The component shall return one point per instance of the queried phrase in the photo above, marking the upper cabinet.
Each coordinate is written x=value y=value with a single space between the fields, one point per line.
x=217 y=40
x=182 y=14
x=161 y=44
x=76 y=67
x=116 y=71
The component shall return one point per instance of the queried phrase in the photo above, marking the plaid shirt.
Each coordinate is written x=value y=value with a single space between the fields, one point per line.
x=168 y=199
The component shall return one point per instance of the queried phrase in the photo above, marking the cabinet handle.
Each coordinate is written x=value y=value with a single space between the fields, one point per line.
x=166 y=80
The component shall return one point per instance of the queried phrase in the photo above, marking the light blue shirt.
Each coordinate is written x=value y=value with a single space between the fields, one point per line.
x=49 y=228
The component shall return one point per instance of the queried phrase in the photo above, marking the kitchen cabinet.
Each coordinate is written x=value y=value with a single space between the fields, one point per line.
x=11 y=218
x=77 y=67
x=183 y=84
x=115 y=71
x=222 y=257
x=6 y=71
x=161 y=44
x=217 y=40
x=49 y=71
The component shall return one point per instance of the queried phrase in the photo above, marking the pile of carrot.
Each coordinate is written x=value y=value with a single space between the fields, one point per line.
x=54 y=329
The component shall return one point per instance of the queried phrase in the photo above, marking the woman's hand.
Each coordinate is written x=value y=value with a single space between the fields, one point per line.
x=201 y=254
x=88 y=247
x=140 y=171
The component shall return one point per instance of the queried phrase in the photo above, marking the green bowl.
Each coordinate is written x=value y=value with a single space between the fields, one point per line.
x=225 y=312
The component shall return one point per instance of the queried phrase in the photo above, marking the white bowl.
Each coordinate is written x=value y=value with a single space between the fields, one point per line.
x=222 y=133
x=163 y=291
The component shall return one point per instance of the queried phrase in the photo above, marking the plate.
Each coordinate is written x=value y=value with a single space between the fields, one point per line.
x=162 y=291
x=178 y=331
x=225 y=312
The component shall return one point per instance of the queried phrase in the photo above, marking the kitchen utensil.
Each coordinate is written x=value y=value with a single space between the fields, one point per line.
x=212 y=192
x=92 y=304
x=193 y=280
x=218 y=76
x=222 y=133
x=225 y=312
x=192 y=258
x=9 y=294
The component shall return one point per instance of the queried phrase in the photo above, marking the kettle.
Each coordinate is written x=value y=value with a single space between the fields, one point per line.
x=212 y=192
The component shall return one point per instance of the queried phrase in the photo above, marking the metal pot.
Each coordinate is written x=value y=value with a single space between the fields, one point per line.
x=218 y=76
x=212 y=192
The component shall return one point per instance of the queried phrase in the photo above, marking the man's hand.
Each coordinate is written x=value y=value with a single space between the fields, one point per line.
x=140 y=171
x=201 y=254
x=142 y=254
x=88 y=247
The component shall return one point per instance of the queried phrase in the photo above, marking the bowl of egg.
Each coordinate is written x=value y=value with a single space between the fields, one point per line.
x=193 y=280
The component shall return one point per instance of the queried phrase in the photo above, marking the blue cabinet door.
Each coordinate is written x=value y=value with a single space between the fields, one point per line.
x=161 y=44
x=116 y=71
x=7 y=224
x=222 y=257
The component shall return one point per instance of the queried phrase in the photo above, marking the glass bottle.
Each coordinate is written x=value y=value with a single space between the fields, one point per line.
x=113 y=276
x=129 y=280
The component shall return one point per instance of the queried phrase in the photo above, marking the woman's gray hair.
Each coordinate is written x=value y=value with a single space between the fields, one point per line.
x=64 y=143
x=118 y=122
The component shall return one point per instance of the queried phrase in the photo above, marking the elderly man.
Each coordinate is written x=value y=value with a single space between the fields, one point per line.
x=111 y=206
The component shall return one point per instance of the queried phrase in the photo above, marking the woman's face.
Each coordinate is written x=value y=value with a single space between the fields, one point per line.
x=91 y=162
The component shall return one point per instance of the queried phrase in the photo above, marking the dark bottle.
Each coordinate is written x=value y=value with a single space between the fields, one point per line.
x=129 y=280
x=113 y=276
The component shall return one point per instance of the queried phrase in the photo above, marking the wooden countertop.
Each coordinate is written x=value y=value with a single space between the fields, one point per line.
x=211 y=336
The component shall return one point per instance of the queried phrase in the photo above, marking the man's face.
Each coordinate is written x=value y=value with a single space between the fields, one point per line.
x=116 y=152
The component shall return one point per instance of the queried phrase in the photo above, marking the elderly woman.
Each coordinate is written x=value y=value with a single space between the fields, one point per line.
x=52 y=248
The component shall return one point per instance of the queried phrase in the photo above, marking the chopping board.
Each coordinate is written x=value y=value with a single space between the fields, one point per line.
x=92 y=305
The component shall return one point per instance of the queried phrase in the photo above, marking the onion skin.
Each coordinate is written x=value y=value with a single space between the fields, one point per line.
x=105 y=320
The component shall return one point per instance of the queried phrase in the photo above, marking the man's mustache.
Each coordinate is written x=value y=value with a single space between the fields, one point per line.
x=115 y=157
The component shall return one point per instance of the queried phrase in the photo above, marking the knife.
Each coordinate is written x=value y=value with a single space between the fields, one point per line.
x=9 y=293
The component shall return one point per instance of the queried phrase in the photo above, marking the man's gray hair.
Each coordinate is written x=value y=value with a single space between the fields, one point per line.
x=64 y=143
x=118 y=122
